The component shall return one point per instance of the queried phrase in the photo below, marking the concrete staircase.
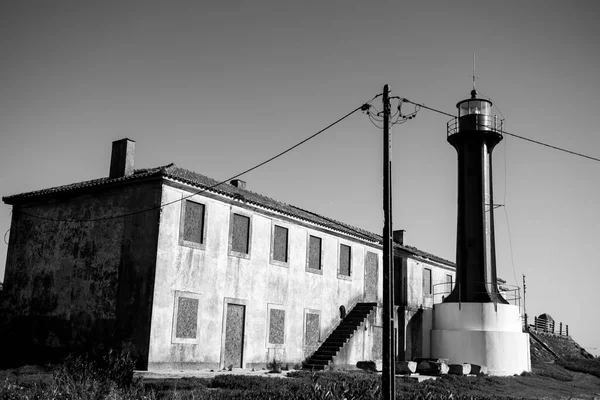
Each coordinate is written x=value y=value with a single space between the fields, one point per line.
x=340 y=335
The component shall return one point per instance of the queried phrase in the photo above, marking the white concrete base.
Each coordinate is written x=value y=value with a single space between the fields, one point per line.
x=483 y=334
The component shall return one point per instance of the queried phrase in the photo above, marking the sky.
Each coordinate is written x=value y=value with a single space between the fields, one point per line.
x=217 y=87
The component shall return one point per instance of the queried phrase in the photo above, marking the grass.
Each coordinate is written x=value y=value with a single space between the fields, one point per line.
x=110 y=377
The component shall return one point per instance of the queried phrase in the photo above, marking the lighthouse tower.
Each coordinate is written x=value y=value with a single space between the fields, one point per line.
x=475 y=324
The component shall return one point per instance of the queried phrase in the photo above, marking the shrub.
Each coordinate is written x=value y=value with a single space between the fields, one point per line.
x=275 y=366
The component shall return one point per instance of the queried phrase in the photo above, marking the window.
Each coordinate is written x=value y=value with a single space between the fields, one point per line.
x=426 y=281
x=185 y=317
x=187 y=311
x=312 y=328
x=371 y=276
x=314 y=253
x=345 y=260
x=240 y=235
x=279 y=252
x=276 y=327
x=448 y=283
x=192 y=229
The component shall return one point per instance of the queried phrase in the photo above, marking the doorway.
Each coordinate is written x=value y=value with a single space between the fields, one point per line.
x=235 y=318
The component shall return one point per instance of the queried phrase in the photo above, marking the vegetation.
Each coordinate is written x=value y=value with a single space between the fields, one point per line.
x=110 y=376
x=588 y=366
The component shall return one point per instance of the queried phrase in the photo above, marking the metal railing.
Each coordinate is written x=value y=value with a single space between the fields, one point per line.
x=549 y=326
x=476 y=122
x=511 y=293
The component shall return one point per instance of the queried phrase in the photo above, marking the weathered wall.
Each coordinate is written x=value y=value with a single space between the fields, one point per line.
x=215 y=277
x=64 y=280
x=410 y=314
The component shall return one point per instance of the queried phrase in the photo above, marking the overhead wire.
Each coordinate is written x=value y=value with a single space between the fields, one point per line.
x=512 y=134
x=363 y=107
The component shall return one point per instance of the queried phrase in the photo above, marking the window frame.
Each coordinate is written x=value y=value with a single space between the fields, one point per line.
x=430 y=290
x=322 y=255
x=230 y=244
x=451 y=282
x=272 y=252
x=305 y=346
x=339 y=261
x=191 y=295
x=269 y=345
x=187 y=243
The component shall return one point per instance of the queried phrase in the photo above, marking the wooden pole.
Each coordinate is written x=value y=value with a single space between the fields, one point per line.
x=389 y=358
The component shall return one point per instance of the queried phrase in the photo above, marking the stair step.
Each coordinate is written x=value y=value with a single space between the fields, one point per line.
x=330 y=347
x=325 y=353
x=311 y=366
x=312 y=361
x=321 y=357
x=337 y=339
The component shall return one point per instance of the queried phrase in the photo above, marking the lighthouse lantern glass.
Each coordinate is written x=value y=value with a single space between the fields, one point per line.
x=475 y=106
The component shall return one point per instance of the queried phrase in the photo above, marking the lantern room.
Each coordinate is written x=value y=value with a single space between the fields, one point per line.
x=475 y=114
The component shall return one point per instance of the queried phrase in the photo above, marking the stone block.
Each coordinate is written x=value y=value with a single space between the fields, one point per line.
x=406 y=367
x=478 y=369
x=379 y=365
x=367 y=366
x=459 y=369
x=440 y=360
x=432 y=367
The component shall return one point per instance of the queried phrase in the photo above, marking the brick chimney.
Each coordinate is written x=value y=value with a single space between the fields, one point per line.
x=238 y=183
x=399 y=236
x=121 y=161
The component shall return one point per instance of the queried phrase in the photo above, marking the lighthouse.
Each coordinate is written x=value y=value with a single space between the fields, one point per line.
x=474 y=323
x=474 y=134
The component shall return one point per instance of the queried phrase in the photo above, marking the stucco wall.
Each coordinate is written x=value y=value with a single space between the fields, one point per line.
x=63 y=279
x=415 y=342
x=217 y=277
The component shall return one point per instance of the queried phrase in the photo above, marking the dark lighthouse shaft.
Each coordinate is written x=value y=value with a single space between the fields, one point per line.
x=474 y=134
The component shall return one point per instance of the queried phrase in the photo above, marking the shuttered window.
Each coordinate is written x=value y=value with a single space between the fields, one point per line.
x=280 y=244
x=345 y=260
x=426 y=281
x=314 y=253
x=193 y=223
x=240 y=234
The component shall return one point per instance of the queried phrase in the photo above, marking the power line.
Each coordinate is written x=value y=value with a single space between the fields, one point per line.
x=363 y=107
x=511 y=134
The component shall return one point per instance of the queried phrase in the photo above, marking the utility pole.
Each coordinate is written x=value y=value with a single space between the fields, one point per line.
x=524 y=307
x=389 y=353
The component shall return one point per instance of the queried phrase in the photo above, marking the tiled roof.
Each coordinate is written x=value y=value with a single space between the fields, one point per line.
x=202 y=182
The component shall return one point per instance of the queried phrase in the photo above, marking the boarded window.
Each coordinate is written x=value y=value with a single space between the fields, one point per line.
x=187 y=318
x=371 y=276
x=193 y=224
x=426 y=281
x=314 y=253
x=280 y=244
x=345 y=256
x=377 y=346
x=276 y=326
x=312 y=329
x=240 y=234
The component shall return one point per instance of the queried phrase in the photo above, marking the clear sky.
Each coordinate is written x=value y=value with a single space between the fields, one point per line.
x=219 y=86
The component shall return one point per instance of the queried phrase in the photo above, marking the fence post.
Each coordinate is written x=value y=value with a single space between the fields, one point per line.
x=552 y=327
x=567 y=330
x=535 y=322
x=560 y=331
